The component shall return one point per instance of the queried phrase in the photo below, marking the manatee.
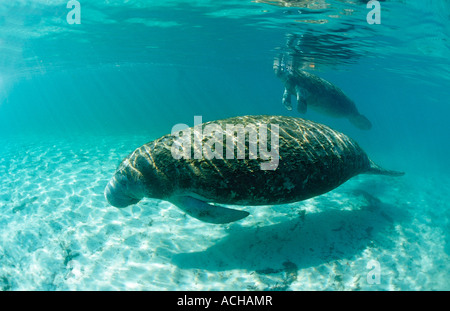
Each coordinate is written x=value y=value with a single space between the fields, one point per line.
x=318 y=94
x=312 y=159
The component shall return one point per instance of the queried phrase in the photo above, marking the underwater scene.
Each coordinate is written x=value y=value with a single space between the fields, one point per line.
x=247 y=145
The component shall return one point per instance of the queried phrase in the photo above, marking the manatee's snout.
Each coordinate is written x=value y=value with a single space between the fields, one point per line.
x=118 y=193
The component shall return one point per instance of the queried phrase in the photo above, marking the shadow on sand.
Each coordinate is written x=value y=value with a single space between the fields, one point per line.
x=303 y=242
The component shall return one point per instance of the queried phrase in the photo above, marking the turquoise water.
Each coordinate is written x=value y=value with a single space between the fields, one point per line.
x=75 y=99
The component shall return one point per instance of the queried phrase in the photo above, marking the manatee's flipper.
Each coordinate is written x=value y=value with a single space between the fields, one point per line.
x=301 y=99
x=287 y=99
x=360 y=122
x=206 y=212
x=378 y=170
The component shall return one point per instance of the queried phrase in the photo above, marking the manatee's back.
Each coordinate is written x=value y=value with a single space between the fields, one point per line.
x=325 y=97
x=316 y=158
x=312 y=160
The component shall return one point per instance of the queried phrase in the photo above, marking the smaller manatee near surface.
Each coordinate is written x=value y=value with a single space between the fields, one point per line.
x=312 y=159
x=318 y=94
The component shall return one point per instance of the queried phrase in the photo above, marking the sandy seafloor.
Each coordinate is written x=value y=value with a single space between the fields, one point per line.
x=58 y=232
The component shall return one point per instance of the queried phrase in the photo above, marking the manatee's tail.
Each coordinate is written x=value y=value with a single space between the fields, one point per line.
x=360 y=122
x=378 y=170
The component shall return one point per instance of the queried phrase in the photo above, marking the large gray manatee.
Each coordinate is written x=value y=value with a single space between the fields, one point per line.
x=312 y=159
